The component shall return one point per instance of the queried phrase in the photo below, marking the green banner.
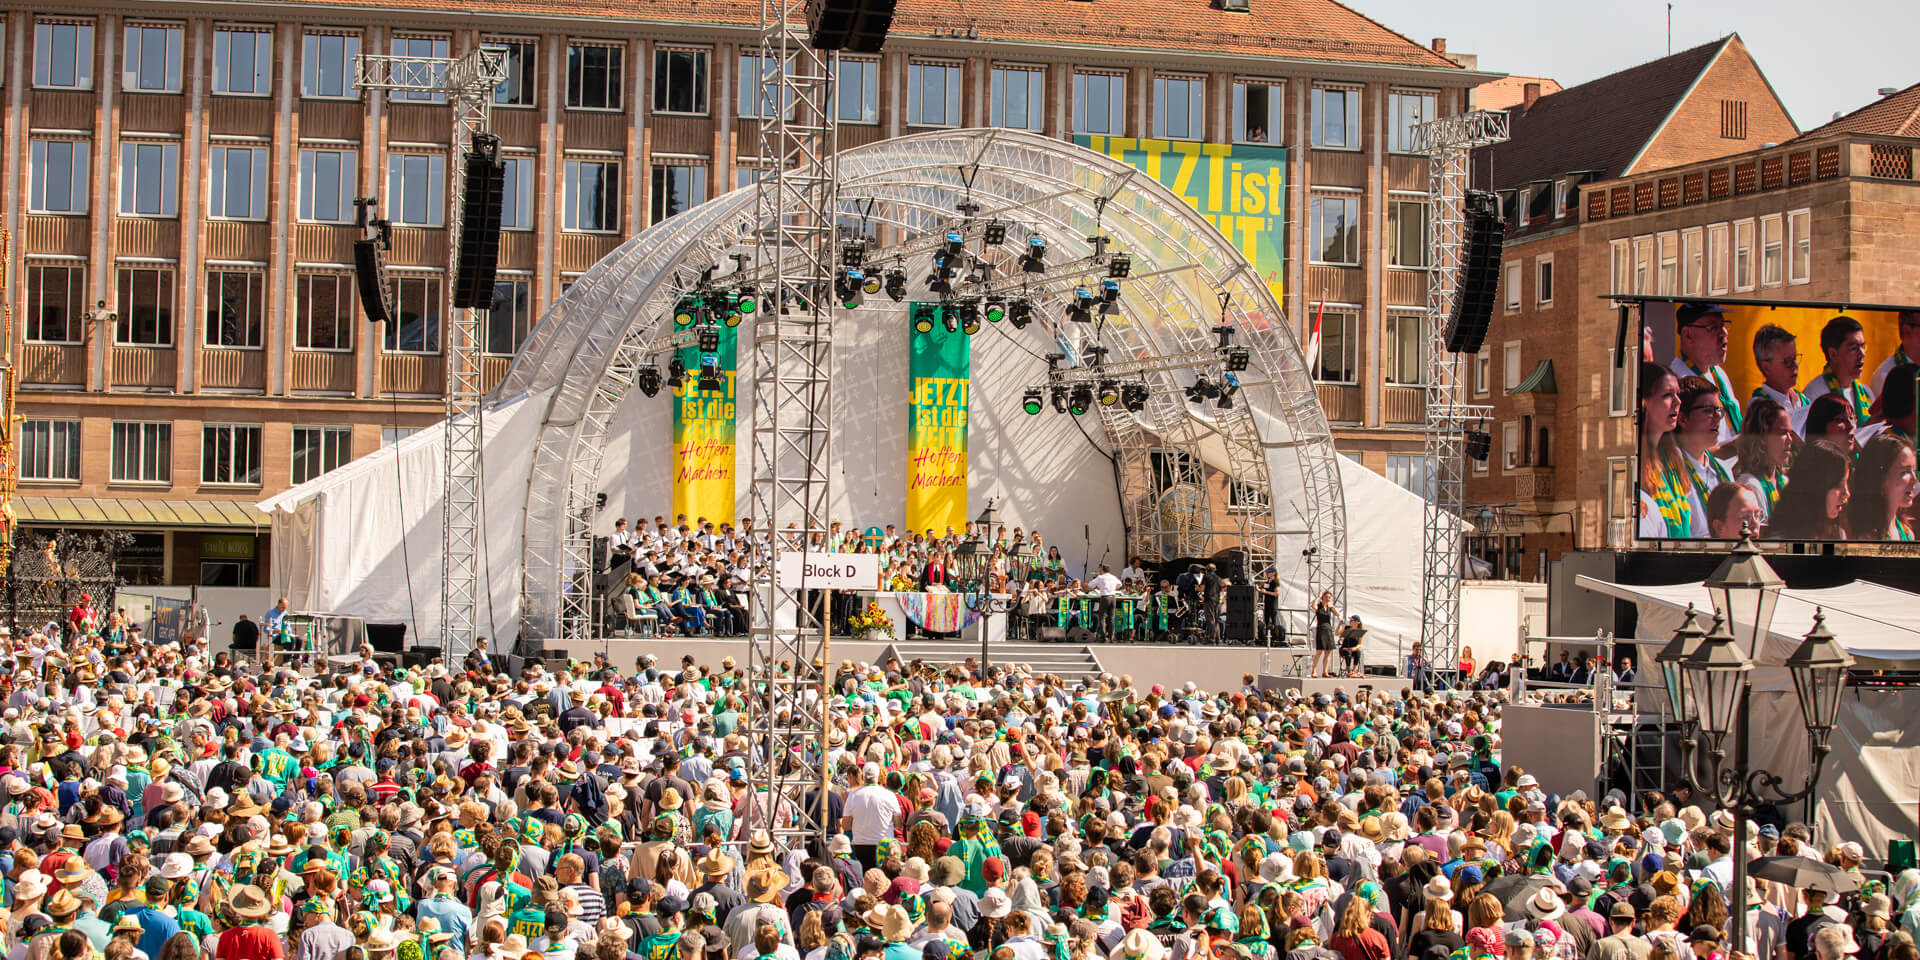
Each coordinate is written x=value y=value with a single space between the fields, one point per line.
x=938 y=390
x=703 y=432
x=1240 y=188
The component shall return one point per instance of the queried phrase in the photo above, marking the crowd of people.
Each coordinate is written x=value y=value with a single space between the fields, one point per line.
x=1830 y=460
x=173 y=804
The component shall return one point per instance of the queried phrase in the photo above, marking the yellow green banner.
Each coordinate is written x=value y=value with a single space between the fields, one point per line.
x=703 y=431
x=1240 y=188
x=938 y=390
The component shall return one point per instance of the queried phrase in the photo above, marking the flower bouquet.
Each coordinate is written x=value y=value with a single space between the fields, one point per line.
x=869 y=623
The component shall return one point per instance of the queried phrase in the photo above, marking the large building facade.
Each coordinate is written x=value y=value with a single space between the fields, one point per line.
x=180 y=186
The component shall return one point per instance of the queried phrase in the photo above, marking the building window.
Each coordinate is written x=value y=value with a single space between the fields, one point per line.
x=933 y=94
x=142 y=453
x=1336 y=117
x=392 y=435
x=1339 y=347
x=1800 y=246
x=1406 y=357
x=1510 y=282
x=1559 y=199
x=326 y=66
x=63 y=54
x=149 y=179
x=425 y=74
x=516 y=203
x=1669 y=247
x=760 y=88
x=1643 y=264
x=418 y=301
x=1719 y=273
x=1510 y=445
x=593 y=76
x=1334 y=229
x=323 y=311
x=1693 y=261
x=1620 y=264
x=1405 y=111
x=230 y=454
x=236 y=305
x=326 y=185
x=146 y=307
x=153 y=58
x=56 y=297
x=676 y=189
x=1772 y=251
x=50 y=450
x=238 y=183
x=511 y=316
x=1019 y=98
x=59 y=176
x=240 y=62
x=1247 y=498
x=1743 y=255
x=1100 y=103
x=1411 y=472
x=1179 y=110
x=679 y=80
x=1619 y=385
x=317 y=450
x=592 y=198
x=416 y=189
x=1733 y=119
x=1482 y=377
x=517 y=56
x=1510 y=365
x=1543 y=280
x=1258 y=109
x=1407 y=233
x=857 y=90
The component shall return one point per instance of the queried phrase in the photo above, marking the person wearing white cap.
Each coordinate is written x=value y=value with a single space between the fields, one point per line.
x=870 y=815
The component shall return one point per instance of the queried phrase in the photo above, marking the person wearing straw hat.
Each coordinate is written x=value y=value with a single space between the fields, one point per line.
x=249 y=939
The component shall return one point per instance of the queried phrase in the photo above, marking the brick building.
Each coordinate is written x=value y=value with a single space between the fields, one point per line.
x=1820 y=216
x=179 y=184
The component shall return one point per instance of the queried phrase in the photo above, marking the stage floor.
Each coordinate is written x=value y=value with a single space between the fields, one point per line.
x=1311 y=686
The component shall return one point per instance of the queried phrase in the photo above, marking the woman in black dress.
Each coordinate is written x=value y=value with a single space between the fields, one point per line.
x=1324 y=613
x=1270 y=608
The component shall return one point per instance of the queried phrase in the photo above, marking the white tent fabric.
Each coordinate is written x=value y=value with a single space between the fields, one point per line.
x=1869 y=784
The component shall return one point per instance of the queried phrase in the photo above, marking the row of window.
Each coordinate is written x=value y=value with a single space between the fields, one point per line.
x=1403 y=361
x=1333 y=228
x=324 y=308
x=683 y=78
x=142 y=452
x=1735 y=256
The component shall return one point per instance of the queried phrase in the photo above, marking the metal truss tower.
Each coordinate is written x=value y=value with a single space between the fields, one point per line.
x=792 y=371
x=1448 y=143
x=467 y=84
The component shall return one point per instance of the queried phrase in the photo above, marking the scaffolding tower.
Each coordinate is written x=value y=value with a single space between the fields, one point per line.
x=1448 y=143
x=792 y=372
x=466 y=83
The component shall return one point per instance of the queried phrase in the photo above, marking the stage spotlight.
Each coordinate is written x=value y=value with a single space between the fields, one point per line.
x=1034 y=260
x=1237 y=359
x=945 y=265
x=1232 y=386
x=1082 y=400
x=1120 y=266
x=746 y=301
x=995 y=233
x=1109 y=393
x=1059 y=398
x=1133 y=396
x=956 y=243
x=969 y=316
x=648 y=380
x=948 y=318
x=923 y=318
x=709 y=338
x=853 y=253
x=1031 y=404
x=676 y=373
x=849 y=285
x=996 y=310
x=1202 y=389
x=1020 y=313
x=733 y=311
x=710 y=373
x=872 y=285
x=685 y=311
x=896 y=284
x=1109 y=291
x=1081 y=310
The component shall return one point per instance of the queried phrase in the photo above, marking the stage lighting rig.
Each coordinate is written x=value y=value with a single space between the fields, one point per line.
x=850 y=286
x=1120 y=266
x=686 y=310
x=710 y=373
x=896 y=284
x=853 y=253
x=1059 y=398
x=648 y=380
x=956 y=243
x=1109 y=393
x=1020 y=313
x=995 y=234
x=969 y=311
x=1031 y=403
x=945 y=266
x=1133 y=397
x=1232 y=386
x=923 y=318
x=1082 y=400
x=709 y=338
x=1109 y=297
x=746 y=301
x=948 y=318
x=996 y=309
x=676 y=373
x=1202 y=389
x=1081 y=309
x=1034 y=260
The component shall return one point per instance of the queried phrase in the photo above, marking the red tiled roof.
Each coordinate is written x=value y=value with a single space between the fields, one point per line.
x=1300 y=29
x=1894 y=115
x=1504 y=92
x=1598 y=125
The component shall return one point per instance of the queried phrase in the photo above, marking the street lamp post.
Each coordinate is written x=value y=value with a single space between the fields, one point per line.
x=976 y=567
x=1709 y=681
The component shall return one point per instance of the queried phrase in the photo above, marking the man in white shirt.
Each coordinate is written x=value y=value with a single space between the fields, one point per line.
x=1703 y=348
x=1777 y=356
x=620 y=546
x=1907 y=352
x=869 y=815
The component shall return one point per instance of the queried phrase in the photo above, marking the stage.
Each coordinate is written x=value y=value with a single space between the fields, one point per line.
x=1310 y=686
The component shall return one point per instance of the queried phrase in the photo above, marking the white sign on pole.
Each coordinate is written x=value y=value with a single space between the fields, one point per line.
x=829 y=571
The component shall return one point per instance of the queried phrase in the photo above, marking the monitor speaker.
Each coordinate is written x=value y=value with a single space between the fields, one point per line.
x=1478 y=283
x=1241 y=600
x=387 y=637
x=370 y=275
x=855 y=26
x=480 y=224
x=1479 y=445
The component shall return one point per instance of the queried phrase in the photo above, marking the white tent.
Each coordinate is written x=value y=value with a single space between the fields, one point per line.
x=1869 y=785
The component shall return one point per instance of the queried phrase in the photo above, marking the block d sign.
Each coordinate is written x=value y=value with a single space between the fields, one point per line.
x=829 y=571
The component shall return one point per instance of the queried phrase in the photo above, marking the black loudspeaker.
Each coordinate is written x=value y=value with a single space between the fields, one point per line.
x=1053 y=633
x=418 y=656
x=387 y=637
x=1241 y=600
x=480 y=224
x=1479 y=445
x=1080 y=634
x=856 y=26
x=1478 y=283
x=370 y=274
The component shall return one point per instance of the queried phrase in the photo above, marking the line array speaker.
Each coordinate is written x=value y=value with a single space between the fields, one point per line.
x=1240 y=605
x=856 y=26
x=370 y=275
x=1478 y=282
x=480 y=224
x=1479 y=445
